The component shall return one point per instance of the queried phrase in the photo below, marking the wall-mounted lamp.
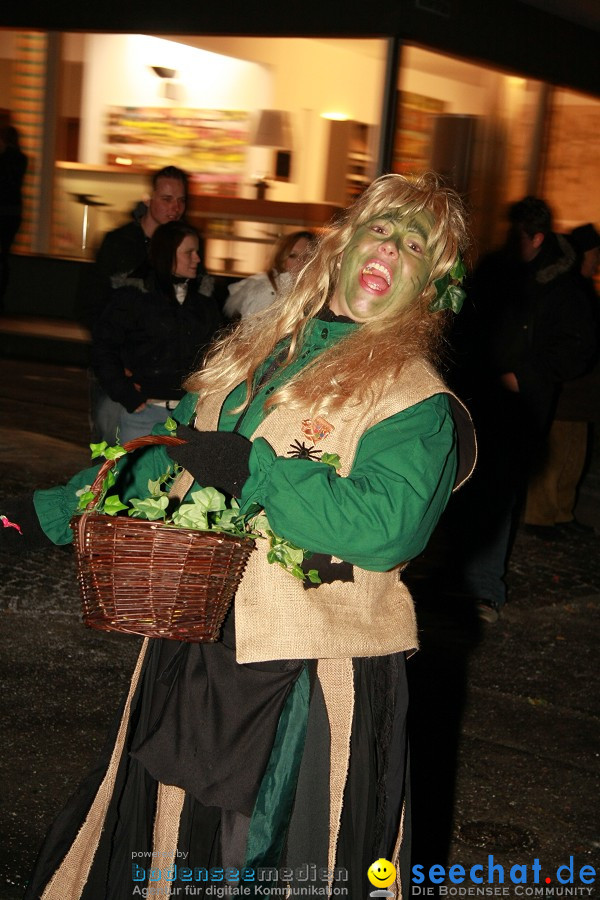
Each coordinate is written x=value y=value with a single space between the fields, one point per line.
x=163 y=72
x=272 y=129
x=170 y=90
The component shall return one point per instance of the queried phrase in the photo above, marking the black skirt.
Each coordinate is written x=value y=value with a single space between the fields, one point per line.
x=207 y=724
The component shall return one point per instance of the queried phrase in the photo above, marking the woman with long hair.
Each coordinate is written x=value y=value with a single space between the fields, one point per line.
x=154 y=331
x=256 y=293
x=282 y=747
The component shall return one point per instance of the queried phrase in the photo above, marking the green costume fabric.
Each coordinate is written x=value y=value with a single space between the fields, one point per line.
x=271 y=816
x=379 y=516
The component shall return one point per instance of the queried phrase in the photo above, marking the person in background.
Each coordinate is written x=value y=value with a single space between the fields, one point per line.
x=552 y=490
x=154 y=331
x=126 y=248
x=254 y=294
x=122 y=251
x=285 y=742
x=527 y=329
x=13 y=166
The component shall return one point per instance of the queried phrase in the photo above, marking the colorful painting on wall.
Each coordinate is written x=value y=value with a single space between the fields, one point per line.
x=415 y=115
x=209 y=144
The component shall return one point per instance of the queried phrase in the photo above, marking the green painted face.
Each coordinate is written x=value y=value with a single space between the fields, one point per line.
x=385 y=266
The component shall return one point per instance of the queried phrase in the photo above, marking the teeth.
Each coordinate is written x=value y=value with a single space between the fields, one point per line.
x=377 y=267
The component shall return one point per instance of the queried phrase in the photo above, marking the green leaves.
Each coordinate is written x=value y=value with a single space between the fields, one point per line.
x=197 y=514
x=85 y=497
x=447 y=294
x=451 y=298
x=284 y=553
x=107 y=452
x=152 y=508
x=155 y=487
x=205 y=510
x=113 y=505
x=458 y=270
x=332 y=459
x=230 y=521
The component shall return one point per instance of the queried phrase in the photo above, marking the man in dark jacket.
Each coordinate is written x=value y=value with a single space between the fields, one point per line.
x=527 y=329
x=125 y=248
x=122 y=251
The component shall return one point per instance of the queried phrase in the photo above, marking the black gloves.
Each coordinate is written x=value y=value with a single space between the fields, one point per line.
x=215 y=458
x=21 y=511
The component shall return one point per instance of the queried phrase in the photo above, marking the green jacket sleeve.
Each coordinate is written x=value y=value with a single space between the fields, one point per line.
x=385 y=510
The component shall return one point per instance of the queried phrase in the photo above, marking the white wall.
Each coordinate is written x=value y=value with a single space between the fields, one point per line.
x=304 y=77
x=463 y=87
x=117 y=73
x=310 y=77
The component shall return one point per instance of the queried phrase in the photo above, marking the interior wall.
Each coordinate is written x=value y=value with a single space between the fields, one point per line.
x=457 y=88
x=118 y=72
x=306 y=77
x=7 y=55
x=311 y=77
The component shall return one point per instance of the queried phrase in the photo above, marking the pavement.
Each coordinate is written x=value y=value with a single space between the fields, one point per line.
x=505 y=716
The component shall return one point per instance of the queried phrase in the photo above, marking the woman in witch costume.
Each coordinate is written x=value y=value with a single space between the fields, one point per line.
x=284 y=744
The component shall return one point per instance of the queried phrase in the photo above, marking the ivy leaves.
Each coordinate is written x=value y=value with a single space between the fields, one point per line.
x=206 y=509
x=331 y=459
x=450 y=295
x=107 y=452
x=204 y=512
x=283 y=552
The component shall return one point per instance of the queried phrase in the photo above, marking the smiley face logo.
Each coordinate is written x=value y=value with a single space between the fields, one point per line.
x=381 y=873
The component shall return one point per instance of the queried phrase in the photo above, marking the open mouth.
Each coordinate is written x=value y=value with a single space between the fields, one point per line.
x=376 y=276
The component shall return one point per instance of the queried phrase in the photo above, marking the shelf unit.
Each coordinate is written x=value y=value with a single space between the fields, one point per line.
x=350 y=161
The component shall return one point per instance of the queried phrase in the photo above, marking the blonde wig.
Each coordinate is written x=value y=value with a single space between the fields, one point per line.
x=358 y=366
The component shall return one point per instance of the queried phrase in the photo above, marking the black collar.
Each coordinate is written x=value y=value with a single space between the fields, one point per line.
x=326 y=315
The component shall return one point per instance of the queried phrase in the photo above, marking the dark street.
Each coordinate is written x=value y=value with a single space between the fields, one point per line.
x=505 y=717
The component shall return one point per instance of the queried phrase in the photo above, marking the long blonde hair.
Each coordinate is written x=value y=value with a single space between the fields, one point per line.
x=379 y=347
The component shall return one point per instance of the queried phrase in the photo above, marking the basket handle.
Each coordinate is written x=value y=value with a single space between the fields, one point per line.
x=147 y=440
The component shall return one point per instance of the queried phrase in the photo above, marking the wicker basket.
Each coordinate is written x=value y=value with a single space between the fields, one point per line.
x=148 y=578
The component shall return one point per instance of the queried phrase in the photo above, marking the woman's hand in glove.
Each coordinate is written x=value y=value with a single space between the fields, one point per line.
x=215 y=458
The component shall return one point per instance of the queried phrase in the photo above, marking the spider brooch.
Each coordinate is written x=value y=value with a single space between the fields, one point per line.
x=301 y=451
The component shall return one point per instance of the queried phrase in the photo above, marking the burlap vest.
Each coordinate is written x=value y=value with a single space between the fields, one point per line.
x=373 y=615
x=277 y=618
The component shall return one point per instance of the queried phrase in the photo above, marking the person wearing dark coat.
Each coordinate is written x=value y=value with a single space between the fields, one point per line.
x=13 y=166
x=154 y=331
x=527 y=329
x=122 y=251
x=552 y=491
x=125 y=249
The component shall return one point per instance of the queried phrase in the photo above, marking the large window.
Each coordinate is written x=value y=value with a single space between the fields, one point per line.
x=110 y=108
x=98 y=111
x=477 y=126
